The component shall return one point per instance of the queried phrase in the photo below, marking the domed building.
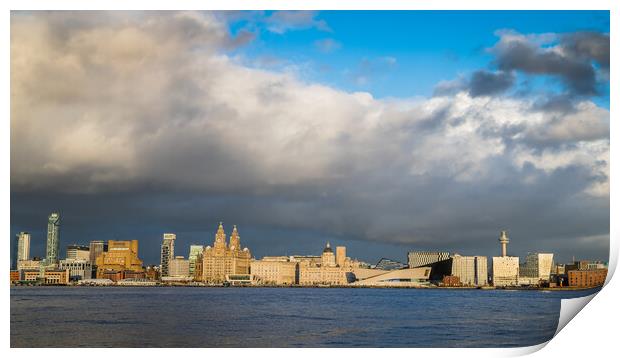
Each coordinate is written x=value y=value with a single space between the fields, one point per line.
x=225 y=259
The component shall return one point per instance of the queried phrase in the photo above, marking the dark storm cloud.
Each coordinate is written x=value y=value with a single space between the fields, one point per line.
x=485 y=83
x=156 y=129
x=571 y=59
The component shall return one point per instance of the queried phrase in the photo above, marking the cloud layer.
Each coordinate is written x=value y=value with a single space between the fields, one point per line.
x=149 y=105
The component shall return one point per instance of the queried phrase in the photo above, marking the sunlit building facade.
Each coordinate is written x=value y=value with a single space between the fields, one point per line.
x=78 y=252
x=225 y=259
x=278 y=270
x=121 y=256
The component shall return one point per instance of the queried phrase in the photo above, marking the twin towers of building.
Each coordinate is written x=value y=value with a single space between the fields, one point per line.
x=214 y=262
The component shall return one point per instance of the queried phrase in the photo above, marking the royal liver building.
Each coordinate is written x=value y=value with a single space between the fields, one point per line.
x=225 y=259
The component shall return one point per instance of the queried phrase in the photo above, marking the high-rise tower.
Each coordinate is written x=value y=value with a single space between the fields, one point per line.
x=220 y=238
x=503 y=240
x=53 y=239
x=234 y=239
x=167 y=253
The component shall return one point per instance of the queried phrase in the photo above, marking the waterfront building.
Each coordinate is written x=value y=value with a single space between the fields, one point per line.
x=425 y=258
x=22 y=247
x=78 y=252
x=409 y=277
x=388 y=264
x=279 y=270
x=56 y=277
x=505 y=271
x=14 y=276
x=471 y=270
x=587 y=278
x=96 y=248
x=341 y=255
x=152 y=273
x=328 y=259
x=223 y=259
x=311 y=260
x=324 y=272
x=195 y=254
x=53 y=240
x=79 y=269
x=30 y=275
x=178 y=267
x=167 y=253
x=121 y=255
x=536 y=268
x=198 y=269
x=29 y=265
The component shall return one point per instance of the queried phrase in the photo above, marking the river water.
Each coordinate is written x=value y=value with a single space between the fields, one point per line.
x=281 y=317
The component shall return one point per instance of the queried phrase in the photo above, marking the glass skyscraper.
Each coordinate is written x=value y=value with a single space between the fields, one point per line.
x=53 y=239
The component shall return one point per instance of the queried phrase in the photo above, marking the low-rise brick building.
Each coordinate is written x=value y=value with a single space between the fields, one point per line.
x=587 y=278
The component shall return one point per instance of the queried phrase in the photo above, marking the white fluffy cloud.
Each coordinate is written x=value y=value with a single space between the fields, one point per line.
x=121 y=102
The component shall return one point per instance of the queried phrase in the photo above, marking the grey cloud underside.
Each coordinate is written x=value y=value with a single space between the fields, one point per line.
x=150 y=125
x=572 y=59
x=484 y=83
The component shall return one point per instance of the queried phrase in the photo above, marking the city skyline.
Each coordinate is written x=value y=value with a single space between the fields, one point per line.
x=167 y=247
x=307 y=127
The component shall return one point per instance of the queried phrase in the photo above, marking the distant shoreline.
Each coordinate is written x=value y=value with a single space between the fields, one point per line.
x=486 y=288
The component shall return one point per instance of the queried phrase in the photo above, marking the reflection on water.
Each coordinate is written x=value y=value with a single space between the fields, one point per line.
x=280 y=317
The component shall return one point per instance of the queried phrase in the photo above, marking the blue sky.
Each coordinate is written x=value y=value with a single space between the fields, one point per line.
x=406 y=53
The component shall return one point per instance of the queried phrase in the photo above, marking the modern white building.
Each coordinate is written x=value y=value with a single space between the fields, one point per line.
x=79 y=269
x=505 y=271
x=23 y=246
x=471 y=270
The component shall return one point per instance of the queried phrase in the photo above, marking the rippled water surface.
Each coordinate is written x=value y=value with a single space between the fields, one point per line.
x=280 y=317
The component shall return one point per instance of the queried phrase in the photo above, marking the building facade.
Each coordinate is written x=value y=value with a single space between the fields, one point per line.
x=225 y=259
x=53 y=240
x=425 y=258
x=56 y=277
x=178 y=267
x=23 y=246
x=79 y=269
x=167 y=253
x=28 y=265
x=537 y=267
x=96 y=248
x=274 y=270
x=78 y=252
x=121 y=256
x=505 y=271
x=389 y=264
x=587 y=278
x=324 y=270
x=195 y=254
x=471 y=270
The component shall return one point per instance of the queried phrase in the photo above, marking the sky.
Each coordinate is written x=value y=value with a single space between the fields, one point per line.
x=384 y=131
